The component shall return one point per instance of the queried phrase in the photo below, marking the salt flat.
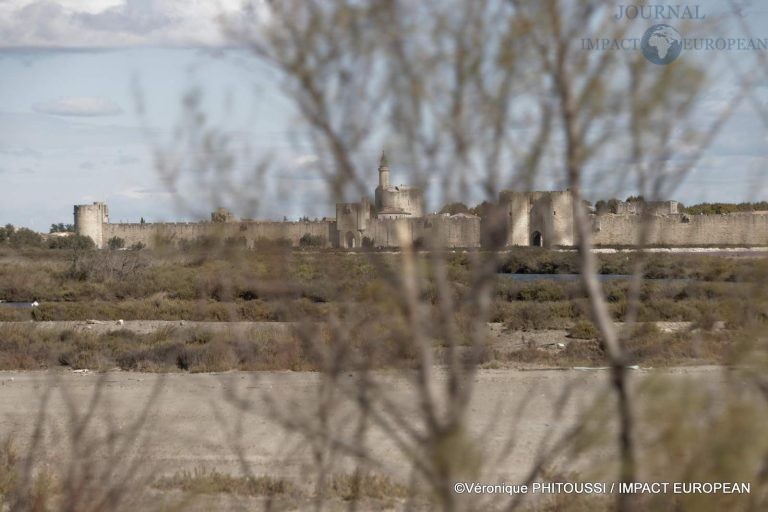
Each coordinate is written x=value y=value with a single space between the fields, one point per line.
x=224 y=421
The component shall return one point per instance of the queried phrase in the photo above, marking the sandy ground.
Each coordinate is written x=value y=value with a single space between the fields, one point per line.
x=231 y=421
x=225 y=421
x=499 y=337
x=711 y=251
x=149 y=326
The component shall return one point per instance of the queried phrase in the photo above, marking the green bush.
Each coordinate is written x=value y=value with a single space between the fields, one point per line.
x=583 y=330
x=527 y=316
x=115 y=243
x=6 y=232
x=542 y=291
x=722 y=208
x=62 y=228
x=539 y=261
x=615 y=291
x=308 y=240
x=23 y=237
x=73 y=242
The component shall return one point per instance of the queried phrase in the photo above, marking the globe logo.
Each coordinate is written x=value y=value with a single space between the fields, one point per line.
x=661 y=44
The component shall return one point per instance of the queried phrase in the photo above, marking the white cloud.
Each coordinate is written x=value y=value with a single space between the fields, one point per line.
x=136 y=192
x=113 y=23
x=305 y=160
x=82 y=107
x=49 y=135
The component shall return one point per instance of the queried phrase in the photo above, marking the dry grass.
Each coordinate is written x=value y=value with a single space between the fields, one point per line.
x=646 y=345
x=354 y=487
x=198 y=349
x=298 y=286
x=23 y=346
x=583 y=330
x=205 y=481
x=373 y=344
x=359 y=485
x=36 y=495
x=198 y=285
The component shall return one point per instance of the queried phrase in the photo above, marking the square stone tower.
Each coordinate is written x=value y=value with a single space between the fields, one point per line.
x=543 y=218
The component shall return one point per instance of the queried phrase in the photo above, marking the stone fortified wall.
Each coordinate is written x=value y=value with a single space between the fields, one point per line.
x=647 y=207
x=683 y=230
x=449 y=230
x=536 y=218
x=252 y=231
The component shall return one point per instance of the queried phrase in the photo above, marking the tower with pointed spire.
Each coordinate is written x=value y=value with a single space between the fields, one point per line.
x=395 y=202
x=383 y=171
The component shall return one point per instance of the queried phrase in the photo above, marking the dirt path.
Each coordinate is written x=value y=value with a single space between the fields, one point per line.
x=498 y=335
x=150 y=326
x=196 y=420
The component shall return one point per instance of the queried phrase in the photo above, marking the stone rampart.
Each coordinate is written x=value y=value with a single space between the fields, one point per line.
x=252 y=231
x=448 y=230
x=682 y=230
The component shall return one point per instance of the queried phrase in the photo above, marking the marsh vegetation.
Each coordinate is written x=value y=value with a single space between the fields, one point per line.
x=715 y=298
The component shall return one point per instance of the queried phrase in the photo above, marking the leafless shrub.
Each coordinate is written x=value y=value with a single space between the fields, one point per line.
x=103 y=266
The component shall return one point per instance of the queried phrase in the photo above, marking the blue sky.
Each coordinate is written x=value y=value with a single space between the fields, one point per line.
x=73 y=72
x=71 y=132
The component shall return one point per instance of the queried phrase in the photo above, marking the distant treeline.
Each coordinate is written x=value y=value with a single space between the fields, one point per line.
x=15 y=237
x=718 y=208
x=611 y=206
x=62 y=228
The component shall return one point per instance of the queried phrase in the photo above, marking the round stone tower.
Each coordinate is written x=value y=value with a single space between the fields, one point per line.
x=89 y=221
